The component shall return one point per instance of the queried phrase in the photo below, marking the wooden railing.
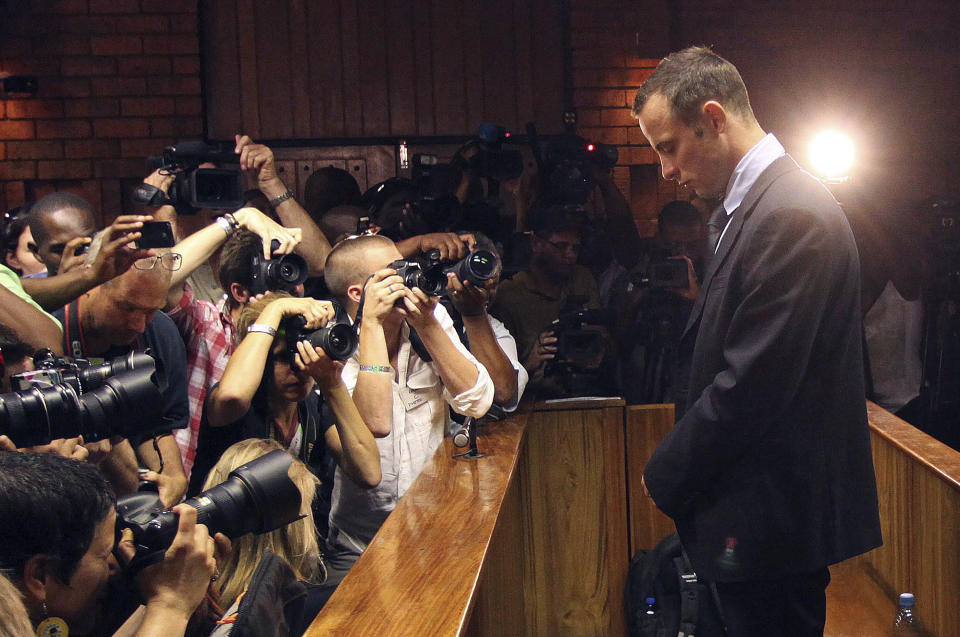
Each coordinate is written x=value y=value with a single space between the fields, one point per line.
x=535 y=538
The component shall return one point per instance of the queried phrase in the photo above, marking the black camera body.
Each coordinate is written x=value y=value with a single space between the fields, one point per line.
x=580 y=340
x=670 y=272
x=195 y=187
x=491 y=160
x=478 y=267
x=258 y=497
x=282 y=273
x=338 y=338
x=64 y=398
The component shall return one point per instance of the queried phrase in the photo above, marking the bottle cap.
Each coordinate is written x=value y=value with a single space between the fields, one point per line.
x=907 y=599
x=651 y=600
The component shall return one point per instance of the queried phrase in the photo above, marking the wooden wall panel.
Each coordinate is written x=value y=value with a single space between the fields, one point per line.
x=295 y=69
x=646 y=426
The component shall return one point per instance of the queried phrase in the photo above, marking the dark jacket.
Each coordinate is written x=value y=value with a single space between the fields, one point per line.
x=769 y=470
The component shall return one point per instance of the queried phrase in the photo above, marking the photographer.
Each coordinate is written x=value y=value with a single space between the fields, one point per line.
x=402 y=388
x=264 y=393
x=60 y=551
x=208 y=329
x=120 y=316
x=652 y=313
x=530 y=301
x=21 y=313
x=18 y=245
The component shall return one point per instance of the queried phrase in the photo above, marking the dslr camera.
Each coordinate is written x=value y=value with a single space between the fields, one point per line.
x=66 y=397
x=430 y=272
x=195 y=187
x=580 y=341
x=282 y=273
x=338 y=338
x=258 y=497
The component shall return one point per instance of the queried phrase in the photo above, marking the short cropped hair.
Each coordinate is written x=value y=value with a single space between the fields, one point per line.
x=691 y=77
x=49 y=505
x=235 y=258
x=54 y=202
x=345 y=264
x=679 y=213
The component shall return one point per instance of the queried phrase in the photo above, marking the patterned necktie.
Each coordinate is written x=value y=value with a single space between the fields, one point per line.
x=715 y=225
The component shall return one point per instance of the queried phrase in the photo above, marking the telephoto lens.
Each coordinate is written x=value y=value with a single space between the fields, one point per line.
x=257 y=497
x=478 y=267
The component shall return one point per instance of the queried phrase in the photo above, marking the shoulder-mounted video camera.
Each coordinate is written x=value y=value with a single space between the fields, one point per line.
x=65 y=397
x=195 y=187
x=580 y=339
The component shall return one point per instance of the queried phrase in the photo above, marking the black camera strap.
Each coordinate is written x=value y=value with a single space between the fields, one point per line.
x=73 y=342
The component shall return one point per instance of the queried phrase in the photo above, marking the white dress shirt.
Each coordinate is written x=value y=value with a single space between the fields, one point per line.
x=748 y=170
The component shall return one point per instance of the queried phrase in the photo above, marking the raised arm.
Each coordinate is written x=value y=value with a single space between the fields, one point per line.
x=258 y=159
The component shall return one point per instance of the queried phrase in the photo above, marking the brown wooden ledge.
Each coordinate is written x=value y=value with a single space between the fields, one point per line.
x=420 y=572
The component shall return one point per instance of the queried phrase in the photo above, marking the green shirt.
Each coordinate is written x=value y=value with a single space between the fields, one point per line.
x=10 y=280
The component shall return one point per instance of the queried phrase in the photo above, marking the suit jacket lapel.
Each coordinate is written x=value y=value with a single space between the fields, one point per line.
x=728 y=240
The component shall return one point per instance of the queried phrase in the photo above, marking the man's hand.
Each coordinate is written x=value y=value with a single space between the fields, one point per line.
x=169 y=488
x=452 y=246
x=418 y=309
x=116 y=254
x=257 y=159
x=693 y=289
x=71 y=260
x=381 y=293
x=544 y=349
x=66 y=447
x=315 y=362
x=161 y=180
x=469 y=299
x=180 y=581
x=268 y=230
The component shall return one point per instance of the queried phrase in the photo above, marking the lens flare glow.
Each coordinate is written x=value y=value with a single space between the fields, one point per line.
x=831 y=154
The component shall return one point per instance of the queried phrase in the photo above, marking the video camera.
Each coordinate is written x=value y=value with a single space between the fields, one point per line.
x=258 y=497
x=283 y=273
x=337 y=338
x=430 y=273
x=566 y=167
x=667 y=272
x=491 y=160
x=64 y=398
x=195 y=187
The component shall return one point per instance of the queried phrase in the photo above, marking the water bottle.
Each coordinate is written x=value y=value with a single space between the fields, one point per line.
x=650 y=619
x=906 y=622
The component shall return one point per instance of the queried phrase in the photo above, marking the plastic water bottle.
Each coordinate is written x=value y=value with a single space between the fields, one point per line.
x=649 y=621
x=906 y=622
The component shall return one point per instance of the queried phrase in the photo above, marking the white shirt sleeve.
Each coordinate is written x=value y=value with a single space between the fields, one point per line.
x=475 y=401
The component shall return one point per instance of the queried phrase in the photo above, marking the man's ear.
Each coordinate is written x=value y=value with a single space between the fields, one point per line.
x=35 y=574
x=354 y=292
x=714 y=117
x=239 y=293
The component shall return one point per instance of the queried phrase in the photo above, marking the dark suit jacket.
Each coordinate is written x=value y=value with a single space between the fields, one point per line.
x=769 y=471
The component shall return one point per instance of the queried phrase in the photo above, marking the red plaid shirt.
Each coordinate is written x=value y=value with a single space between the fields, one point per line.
x=208 y=333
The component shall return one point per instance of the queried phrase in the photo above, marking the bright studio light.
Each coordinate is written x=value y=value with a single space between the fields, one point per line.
x=831 y=153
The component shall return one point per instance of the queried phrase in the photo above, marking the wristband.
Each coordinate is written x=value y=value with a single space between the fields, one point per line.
x=261 y=329
x=279 y=199
x=224 y=225
x=385 y=369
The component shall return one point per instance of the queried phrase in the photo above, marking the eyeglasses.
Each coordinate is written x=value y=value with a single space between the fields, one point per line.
x=169 y=261
x=563 y=246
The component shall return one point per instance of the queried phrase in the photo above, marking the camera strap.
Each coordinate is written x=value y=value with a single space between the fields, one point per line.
x=73 y=342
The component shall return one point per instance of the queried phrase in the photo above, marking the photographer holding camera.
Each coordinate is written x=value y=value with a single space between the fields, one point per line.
x=269 y=392
x=403 y=385
x=652 y=303
x=121 y=316
x=532 y=300
x=60 y=551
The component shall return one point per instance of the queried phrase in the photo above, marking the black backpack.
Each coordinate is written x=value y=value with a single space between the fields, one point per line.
x=682 y=606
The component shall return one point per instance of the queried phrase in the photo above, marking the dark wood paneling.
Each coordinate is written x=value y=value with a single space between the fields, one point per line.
x=296 y=69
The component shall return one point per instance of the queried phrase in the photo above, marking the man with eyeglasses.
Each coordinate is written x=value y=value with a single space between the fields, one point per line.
x=553 y=282
x=120 y=316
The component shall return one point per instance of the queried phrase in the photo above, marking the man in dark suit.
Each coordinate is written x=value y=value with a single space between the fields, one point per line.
x=768 y=473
